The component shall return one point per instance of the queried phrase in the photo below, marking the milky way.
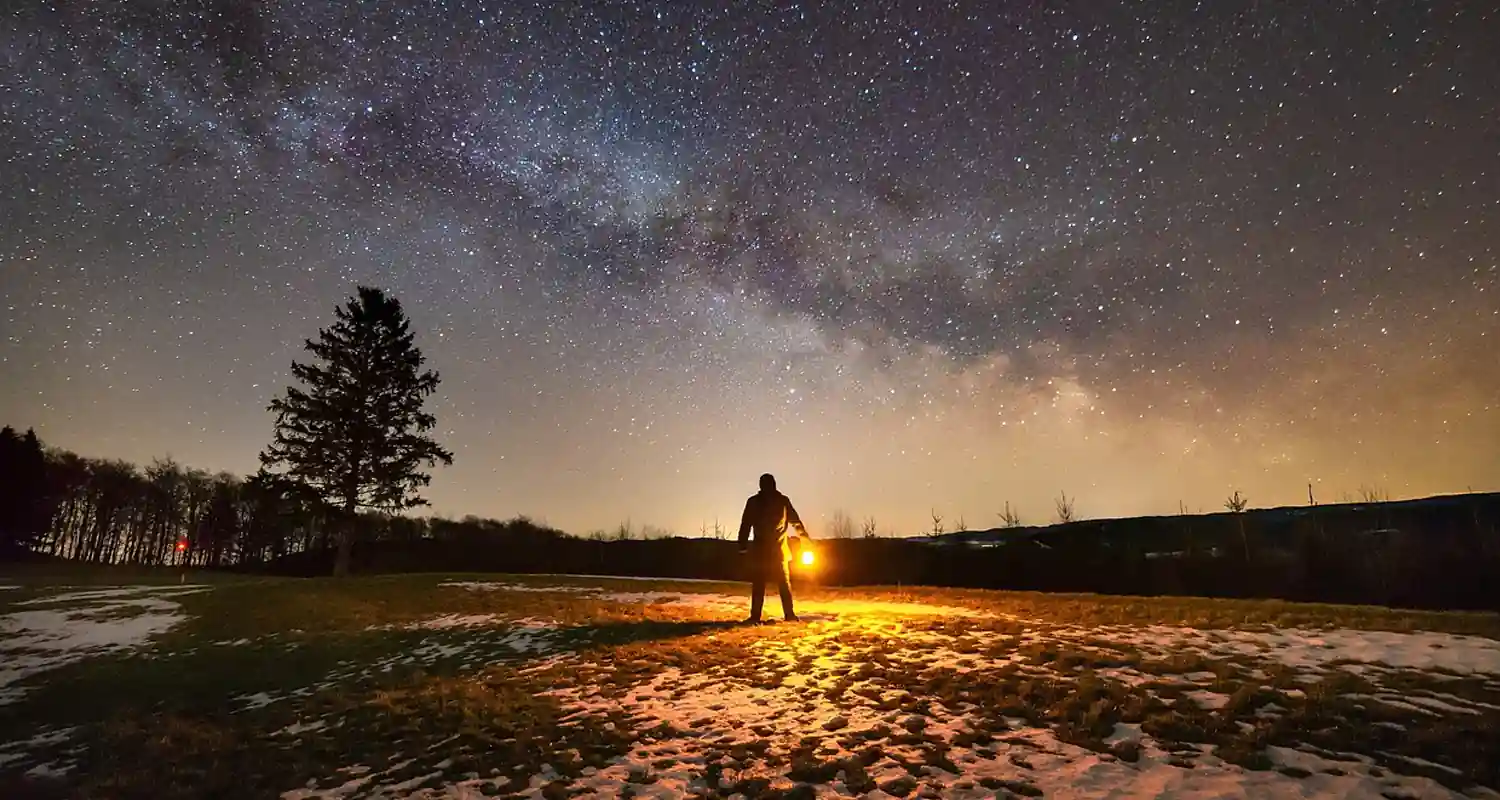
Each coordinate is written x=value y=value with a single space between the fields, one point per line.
x=909 y=257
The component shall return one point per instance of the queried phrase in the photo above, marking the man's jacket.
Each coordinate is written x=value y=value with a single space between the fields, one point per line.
x=771 y=516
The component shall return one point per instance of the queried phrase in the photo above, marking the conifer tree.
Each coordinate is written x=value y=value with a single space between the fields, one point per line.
x=355 y=436
x=25 y=507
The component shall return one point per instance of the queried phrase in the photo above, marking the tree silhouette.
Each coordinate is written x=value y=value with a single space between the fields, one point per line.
x=1065 y=509
x=841 y=526
x=25 y=510
x=1011 y=518
x=1236 y=505
x=355 y=438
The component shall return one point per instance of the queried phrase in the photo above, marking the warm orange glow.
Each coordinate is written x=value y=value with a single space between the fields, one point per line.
x=807 y=557
x=181 y=545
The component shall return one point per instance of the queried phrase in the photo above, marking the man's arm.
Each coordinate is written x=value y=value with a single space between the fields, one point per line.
x=792 y=518
x=745 y=523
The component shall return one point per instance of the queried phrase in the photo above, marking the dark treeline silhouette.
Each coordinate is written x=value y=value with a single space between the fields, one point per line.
x=102 y=511
x=1438 y=553
x=1432 y=553
x=24 y=511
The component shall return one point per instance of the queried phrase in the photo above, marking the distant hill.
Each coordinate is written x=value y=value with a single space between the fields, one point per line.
x=1387 y=518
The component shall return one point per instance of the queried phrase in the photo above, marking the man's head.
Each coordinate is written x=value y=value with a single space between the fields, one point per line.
x=768 y=482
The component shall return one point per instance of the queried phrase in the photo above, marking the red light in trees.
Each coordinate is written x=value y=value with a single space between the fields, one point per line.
x=181 y=545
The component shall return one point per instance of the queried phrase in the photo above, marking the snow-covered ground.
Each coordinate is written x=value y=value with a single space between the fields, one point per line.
x=713 y=712
x=63 y=628
x=468 y=641
x=60 y=629
x=1310 y=650
x=846 y=705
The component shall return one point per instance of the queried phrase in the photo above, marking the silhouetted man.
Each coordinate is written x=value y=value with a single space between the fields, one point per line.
x=769 y=514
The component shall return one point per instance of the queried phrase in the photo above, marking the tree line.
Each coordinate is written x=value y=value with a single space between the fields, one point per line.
x=349 y=451
x=54 y=502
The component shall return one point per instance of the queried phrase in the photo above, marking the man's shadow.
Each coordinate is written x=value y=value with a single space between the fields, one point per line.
x=650 y=630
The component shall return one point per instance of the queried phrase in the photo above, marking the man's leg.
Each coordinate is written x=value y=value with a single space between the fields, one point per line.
x=784 y=586
x=757 y=587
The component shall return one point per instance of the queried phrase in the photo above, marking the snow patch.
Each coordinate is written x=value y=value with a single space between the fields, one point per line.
x=82 y=624
x=1211 y=701
x=250 y=702
x=1310 y=650
x=115 y=592
x=472 y=641
x=367 y=784
x=20 y=750
x=461 y=621
x=299 y=728
x=1422 y=650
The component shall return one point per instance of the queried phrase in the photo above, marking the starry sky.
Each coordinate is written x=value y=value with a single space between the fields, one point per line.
x=907 y=256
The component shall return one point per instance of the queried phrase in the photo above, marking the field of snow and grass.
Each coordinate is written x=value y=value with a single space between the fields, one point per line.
x=578 y=686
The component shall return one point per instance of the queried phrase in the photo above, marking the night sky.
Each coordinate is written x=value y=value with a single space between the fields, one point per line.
x=909 y=257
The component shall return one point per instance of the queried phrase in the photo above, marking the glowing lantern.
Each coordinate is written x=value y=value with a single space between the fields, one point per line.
x=807 y=557
x=181 y=545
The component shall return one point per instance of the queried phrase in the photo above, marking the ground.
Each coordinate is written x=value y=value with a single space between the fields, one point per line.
x=561 y=686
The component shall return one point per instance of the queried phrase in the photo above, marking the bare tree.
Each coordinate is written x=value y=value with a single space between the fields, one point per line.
x=719 y=532
x=1374 y=494
x=937 y=524
x=1236 y=505
x=868 y=529
x=625 y=532
x=841 y=525
x=1065 y=509
x=1009 y=517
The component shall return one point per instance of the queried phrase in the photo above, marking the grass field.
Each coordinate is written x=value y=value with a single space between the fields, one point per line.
x=555 y=686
